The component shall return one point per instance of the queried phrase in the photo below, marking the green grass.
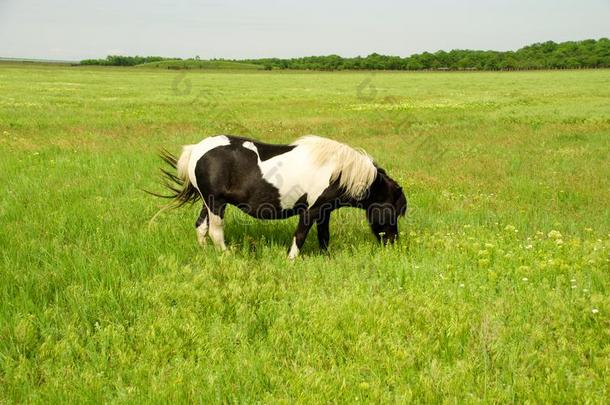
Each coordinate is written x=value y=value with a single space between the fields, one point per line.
x=201 y=64
x=498 y=290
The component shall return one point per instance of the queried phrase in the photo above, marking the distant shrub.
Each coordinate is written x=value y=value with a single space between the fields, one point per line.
x=118 y=60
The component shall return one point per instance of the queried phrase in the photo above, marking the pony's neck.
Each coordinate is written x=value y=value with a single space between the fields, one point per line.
x=373 y=195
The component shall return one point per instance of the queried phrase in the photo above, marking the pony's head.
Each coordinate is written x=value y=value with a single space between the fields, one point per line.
x=385 y=203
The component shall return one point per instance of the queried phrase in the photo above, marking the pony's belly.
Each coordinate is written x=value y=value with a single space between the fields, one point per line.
x=269 y=213
x=271 y=208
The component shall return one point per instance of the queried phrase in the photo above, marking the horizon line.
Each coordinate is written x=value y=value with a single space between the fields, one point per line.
x=38 y=59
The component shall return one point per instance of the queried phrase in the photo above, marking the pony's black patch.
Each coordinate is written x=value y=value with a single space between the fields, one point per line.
x=265 y=150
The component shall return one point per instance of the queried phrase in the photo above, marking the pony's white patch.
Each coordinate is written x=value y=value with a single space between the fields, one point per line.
x=294 y=249
x=295 y=174
x=250 y=145
x=202 y=231
x=216 y=231
x=312 y=165
x=200 y=149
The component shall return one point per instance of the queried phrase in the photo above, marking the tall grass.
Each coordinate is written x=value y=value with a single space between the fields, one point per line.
x=498 y=290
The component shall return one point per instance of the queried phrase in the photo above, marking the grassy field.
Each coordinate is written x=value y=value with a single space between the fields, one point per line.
x=498 y=290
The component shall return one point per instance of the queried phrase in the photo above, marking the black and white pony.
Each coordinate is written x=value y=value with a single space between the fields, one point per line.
x=310 y=178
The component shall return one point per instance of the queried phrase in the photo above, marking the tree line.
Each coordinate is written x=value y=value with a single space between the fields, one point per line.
x=547 y=55
x=118 y=60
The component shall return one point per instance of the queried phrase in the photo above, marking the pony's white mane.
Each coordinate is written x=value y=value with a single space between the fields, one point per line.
x=354 y=168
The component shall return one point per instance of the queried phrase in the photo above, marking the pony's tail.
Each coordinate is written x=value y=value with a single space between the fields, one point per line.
x=181 y=190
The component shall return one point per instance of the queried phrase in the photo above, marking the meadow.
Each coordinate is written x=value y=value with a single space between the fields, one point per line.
x=497 y=291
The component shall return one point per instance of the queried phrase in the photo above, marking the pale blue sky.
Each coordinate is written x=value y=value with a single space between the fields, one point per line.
x=72 y=30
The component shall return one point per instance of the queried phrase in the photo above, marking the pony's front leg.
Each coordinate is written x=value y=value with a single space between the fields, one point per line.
x=322 y=225
x=305 y=223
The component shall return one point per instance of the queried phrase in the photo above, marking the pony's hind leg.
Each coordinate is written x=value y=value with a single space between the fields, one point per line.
x=216 y=215
x=201 y=225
